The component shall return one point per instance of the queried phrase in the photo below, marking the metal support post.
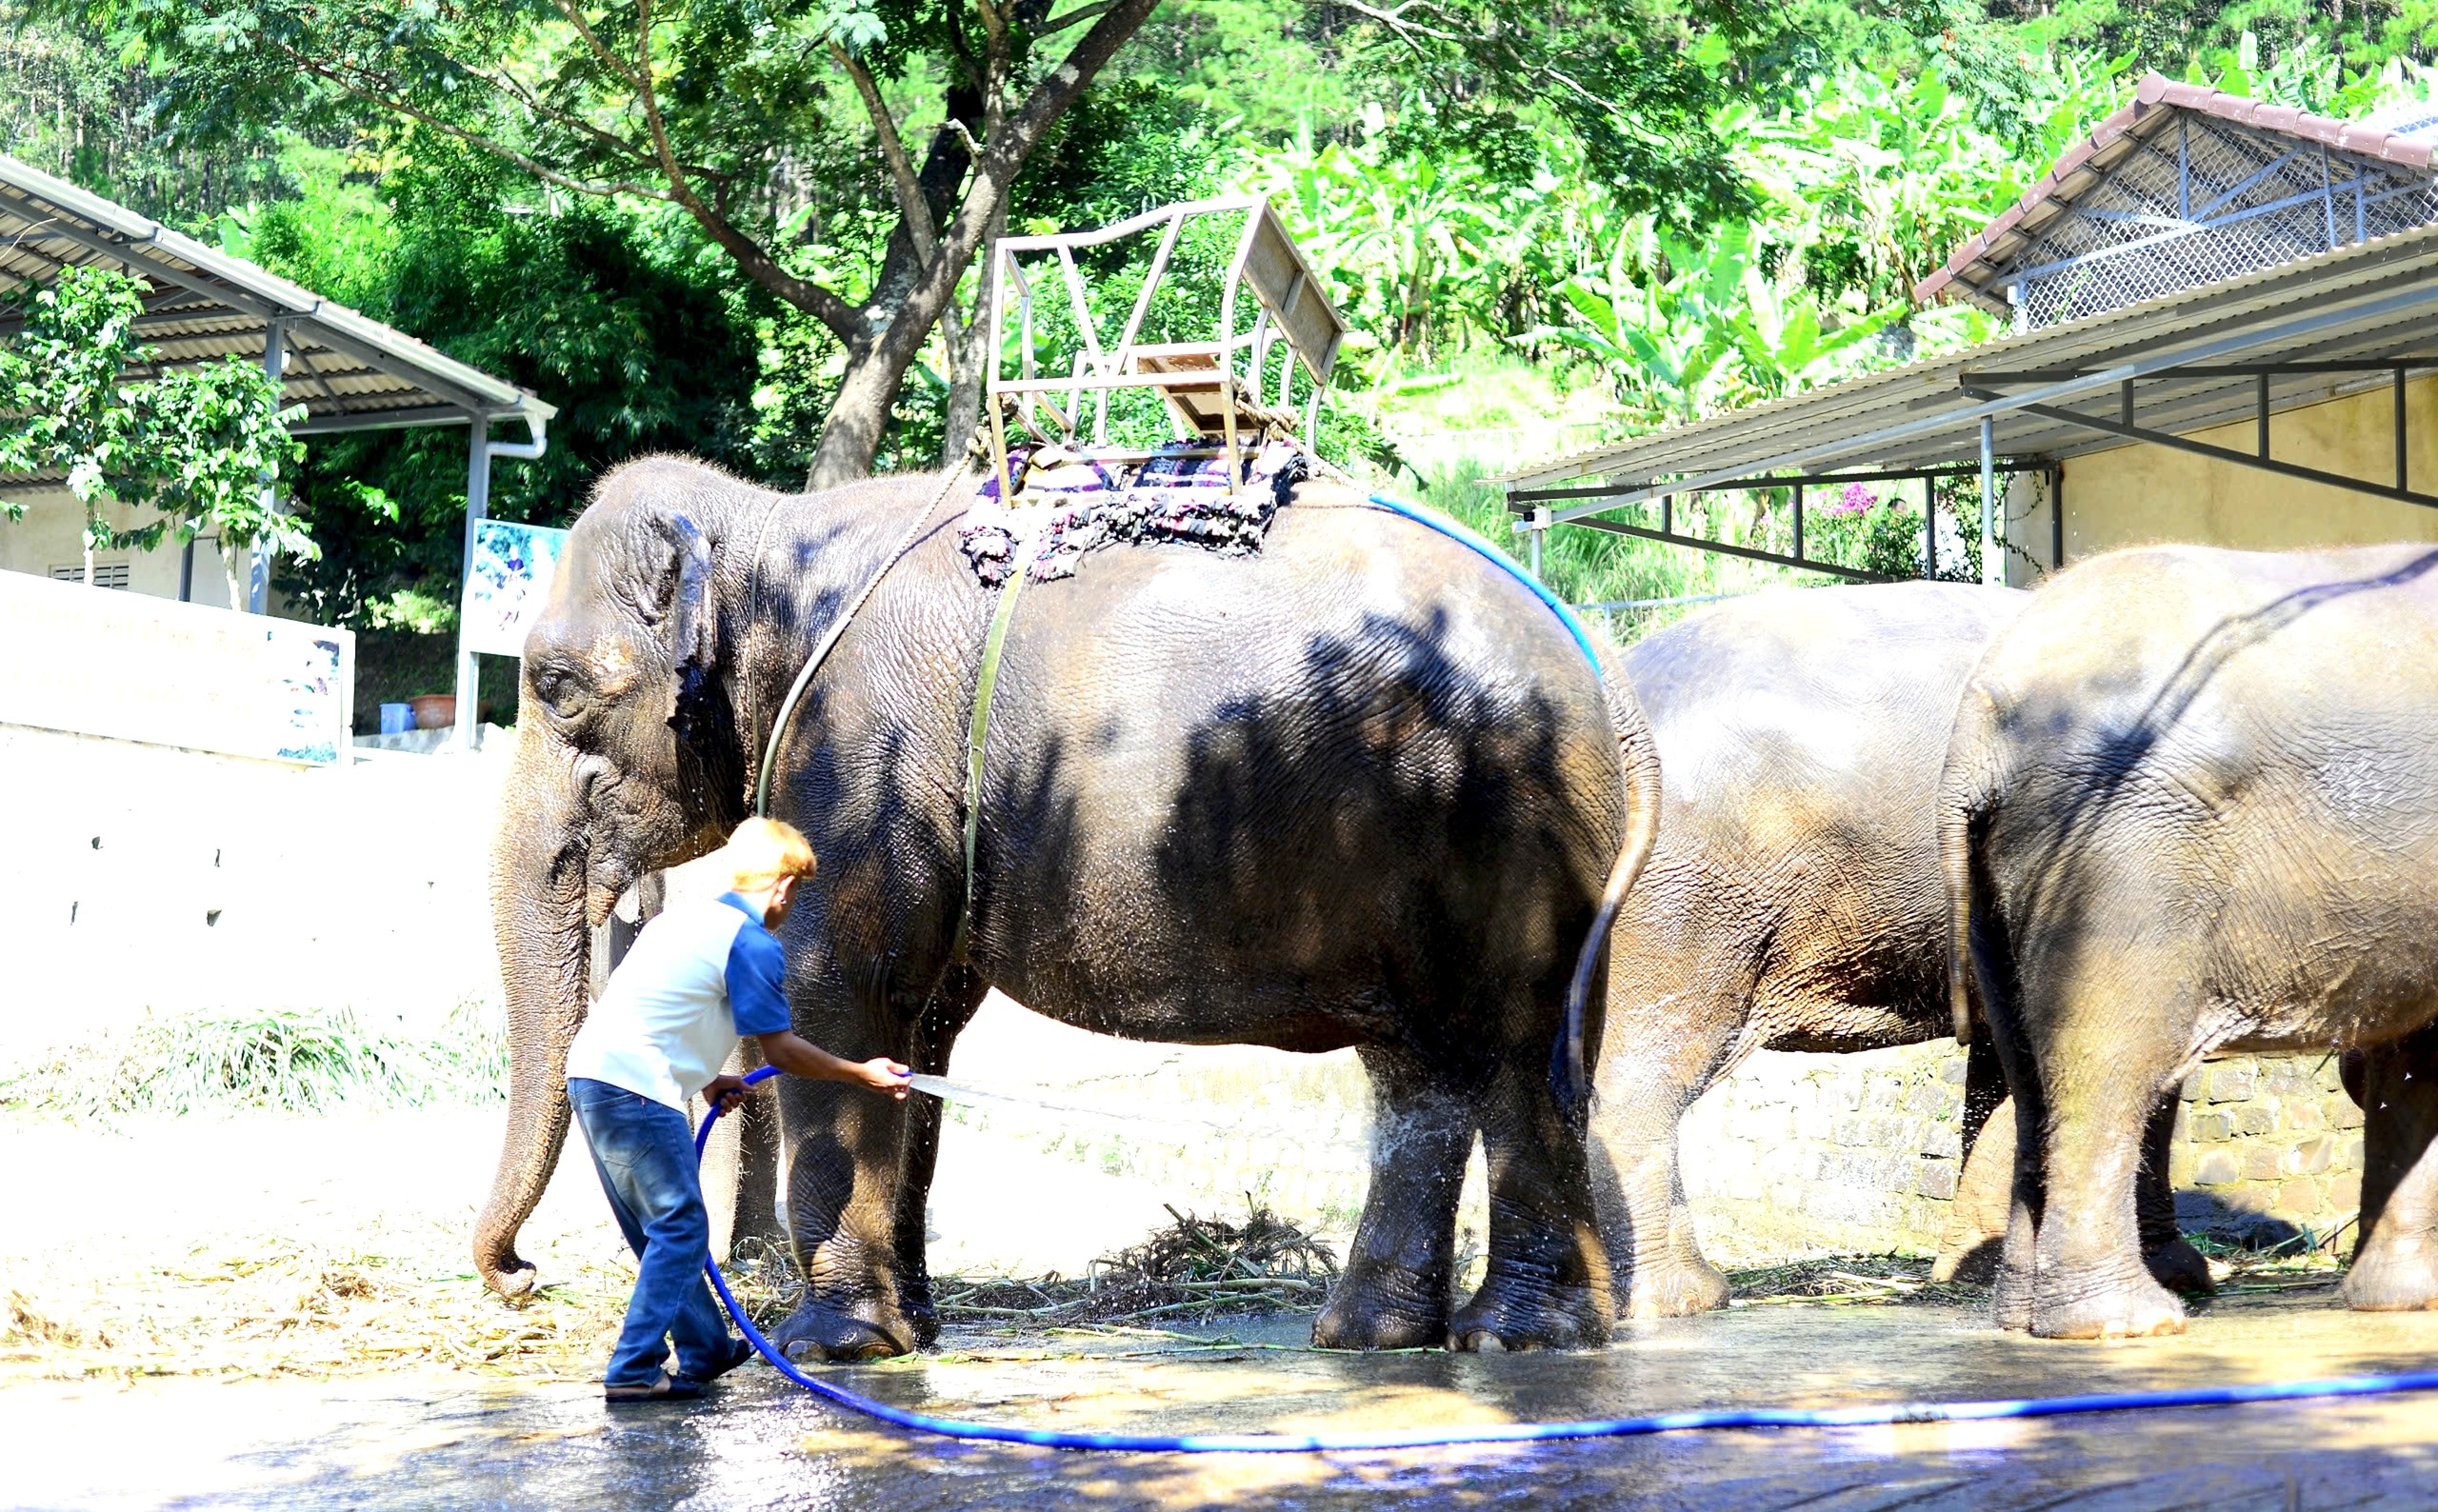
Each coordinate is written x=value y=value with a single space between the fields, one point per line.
x=1993 y=569
x=1930 y=529
x=480 y=450
x=1540 y=533
x=478 y=504
x=1798 y=522
x=258 y=573
x=2057 y=518
x=2400 y=429
x=2260 y=403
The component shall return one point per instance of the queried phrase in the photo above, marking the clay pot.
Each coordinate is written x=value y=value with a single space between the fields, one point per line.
x=435 y=711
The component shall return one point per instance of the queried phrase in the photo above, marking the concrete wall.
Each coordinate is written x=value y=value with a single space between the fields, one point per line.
x=2133 y=494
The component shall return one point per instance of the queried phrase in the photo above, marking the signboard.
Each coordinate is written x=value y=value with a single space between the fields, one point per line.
x=508 y=584
x=106 y=661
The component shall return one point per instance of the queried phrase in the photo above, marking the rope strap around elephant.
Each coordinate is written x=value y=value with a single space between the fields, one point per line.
x=829 y=641
x=1712 y=1417
x=977 y=739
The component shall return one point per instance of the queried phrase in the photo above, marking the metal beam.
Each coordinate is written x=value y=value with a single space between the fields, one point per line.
x=379 y=420
x=2418 y=297
x=1748 y=553
x=1518 y=501
x=2242 y=459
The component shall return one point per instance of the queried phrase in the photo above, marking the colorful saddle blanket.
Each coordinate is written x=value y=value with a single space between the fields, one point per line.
x=1073 y=502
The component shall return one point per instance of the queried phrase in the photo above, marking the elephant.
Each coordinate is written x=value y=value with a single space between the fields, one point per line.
x=1793 y=900
x=1355 y=789
x=2189 y=803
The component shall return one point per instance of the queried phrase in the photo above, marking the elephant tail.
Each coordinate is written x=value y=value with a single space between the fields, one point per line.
x=1968 y=791
x=1638 y=753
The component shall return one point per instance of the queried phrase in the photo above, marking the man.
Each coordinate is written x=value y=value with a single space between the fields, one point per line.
x=698 y=977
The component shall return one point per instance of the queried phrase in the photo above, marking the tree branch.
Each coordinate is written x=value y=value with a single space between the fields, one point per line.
x=911 y=203
x=610 y=59
x=387 y=101
x=1074 y=18
x=821 y=303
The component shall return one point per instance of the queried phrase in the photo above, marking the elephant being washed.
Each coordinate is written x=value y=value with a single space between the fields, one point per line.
x=1793 y=900
x=1358 y=788
x=2191 y=804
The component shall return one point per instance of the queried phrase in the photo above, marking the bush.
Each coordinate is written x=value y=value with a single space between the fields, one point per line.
x=294 y=1060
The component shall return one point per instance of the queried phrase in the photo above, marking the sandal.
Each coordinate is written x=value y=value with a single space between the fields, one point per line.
x=740 y=1352
x=667 y=1389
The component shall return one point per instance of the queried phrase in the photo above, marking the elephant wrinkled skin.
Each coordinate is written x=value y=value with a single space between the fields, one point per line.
x=2190 y=803
x=1356 y=789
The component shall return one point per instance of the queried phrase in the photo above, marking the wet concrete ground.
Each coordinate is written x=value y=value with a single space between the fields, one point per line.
x=452 y=1442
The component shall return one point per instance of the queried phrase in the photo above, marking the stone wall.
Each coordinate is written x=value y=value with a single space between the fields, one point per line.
x=1800 y=1154
x=2267 y=1147
x=1794 y=1155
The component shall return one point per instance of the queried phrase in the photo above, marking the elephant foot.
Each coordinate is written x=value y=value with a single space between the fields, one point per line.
x=1380 y=1307
x=922 y=1314
x=2179 y=1267
x=1973 y=1264
x=2011 y=1298
x=1515 y=1318
x=2140 y=1308
x=1672 y=1288
x=2391 y=1283
x=816 y=1332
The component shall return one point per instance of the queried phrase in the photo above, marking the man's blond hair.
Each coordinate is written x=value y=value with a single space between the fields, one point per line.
x=763 y=850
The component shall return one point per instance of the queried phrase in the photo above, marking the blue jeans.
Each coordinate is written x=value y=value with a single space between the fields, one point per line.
x=645 y=1153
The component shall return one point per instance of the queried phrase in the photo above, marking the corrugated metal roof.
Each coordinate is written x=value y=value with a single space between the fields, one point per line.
x=350 y=372
x=2373 y=302
x=1980 y=259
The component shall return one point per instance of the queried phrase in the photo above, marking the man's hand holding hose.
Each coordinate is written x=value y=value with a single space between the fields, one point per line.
x=798 y=1056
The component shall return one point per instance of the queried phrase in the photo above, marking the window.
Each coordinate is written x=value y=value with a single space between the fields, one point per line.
x=106 y=574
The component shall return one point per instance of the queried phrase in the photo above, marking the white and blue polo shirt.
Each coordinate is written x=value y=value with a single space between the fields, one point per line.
x=701 y=975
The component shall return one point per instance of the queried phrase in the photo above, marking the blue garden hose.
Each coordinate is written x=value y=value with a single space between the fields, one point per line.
x=1537 y=1432
x=1506 y=564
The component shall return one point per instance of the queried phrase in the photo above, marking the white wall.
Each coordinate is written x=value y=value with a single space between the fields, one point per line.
x=143 y=879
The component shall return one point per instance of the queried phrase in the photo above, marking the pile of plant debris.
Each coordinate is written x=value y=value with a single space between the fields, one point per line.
x=1197 y=1267
x=1846 y=1279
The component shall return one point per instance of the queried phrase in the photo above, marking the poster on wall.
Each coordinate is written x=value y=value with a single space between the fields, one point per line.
x=98 y=662
x=510 y=581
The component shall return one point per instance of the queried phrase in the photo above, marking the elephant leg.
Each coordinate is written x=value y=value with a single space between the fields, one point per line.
x=846 y=1174
x=1394 y=1293
x=2166 y=1253
x=2102 y=1084
x=1976 y=1221
x=1649 y=1077
x=1548 y=1284
x=949 y=1011
x=2395 y=1259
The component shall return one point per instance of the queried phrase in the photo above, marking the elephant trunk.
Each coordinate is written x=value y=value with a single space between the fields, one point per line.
x=539 y=896
x=1638 y=752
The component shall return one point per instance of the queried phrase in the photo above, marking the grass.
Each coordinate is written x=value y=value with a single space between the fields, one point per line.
x=291 y=1060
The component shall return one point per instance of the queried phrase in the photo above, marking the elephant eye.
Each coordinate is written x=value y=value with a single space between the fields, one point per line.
x=559 y=690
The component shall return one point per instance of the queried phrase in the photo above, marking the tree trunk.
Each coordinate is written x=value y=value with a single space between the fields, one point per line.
x=859 y=416
x=970 y=356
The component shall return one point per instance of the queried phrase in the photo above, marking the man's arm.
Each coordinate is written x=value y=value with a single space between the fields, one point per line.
x=798 y=1056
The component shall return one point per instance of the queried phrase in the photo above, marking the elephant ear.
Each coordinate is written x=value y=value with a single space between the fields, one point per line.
x=711 y=760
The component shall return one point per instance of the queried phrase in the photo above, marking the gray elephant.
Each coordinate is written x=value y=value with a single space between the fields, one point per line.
x=1793 y=900
x=1356 y=788
x=2190 y=803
